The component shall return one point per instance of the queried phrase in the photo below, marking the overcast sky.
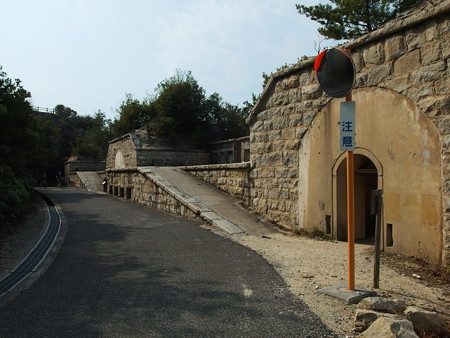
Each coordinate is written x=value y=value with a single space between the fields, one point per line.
x=87 y=54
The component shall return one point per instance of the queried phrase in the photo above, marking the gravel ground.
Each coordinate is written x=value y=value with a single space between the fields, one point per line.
x=305 y=264
x=309 y=264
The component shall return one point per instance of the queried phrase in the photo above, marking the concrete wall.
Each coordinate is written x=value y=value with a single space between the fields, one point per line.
x=403 y=103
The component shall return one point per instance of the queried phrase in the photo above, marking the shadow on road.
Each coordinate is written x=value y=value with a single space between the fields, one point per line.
x=127 y=270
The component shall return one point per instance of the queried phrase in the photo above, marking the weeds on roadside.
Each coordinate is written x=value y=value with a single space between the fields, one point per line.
x=314 y=233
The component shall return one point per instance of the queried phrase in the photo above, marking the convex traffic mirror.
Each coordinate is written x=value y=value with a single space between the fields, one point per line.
x=335 y=71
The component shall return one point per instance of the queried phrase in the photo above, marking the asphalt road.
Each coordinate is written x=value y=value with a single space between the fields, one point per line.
x=127 y=270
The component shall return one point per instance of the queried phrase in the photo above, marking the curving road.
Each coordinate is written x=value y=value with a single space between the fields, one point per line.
x=126 y=270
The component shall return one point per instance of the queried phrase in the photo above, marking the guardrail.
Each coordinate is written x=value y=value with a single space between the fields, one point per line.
x=43 y=110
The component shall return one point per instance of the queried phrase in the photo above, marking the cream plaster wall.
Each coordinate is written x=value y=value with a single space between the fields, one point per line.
x=404 y=145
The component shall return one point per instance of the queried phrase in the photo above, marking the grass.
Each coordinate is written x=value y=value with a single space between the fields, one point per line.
x=314 y=233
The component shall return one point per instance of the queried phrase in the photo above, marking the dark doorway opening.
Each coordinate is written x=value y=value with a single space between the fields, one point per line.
x=366 y=180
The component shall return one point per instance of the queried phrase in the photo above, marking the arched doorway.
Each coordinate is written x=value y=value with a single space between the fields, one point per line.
x=393 y=132
x=366 y=179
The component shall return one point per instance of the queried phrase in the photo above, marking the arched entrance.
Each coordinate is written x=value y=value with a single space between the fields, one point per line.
x=390 y=131
x=366 y=179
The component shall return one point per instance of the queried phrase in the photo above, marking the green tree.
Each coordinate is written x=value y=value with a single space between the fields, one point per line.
x=93 y=137
x=349 y=19
x=27 y=145
x=225 y=120
x=132 y=115
x=180 y=111
x=64 y=112
x=17 y=134
x=179 y=107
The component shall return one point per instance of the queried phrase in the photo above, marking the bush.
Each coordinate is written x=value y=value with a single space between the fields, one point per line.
x=14 y=193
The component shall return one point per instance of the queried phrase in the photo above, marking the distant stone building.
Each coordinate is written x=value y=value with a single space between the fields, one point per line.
x=402 y=140
x=230 y=151
x=81 y=163
x=136 y=149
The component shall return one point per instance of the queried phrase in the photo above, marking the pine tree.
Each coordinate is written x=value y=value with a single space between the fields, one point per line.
x=349 y=19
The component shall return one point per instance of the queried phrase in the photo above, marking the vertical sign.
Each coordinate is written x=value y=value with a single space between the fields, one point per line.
x=347 y=126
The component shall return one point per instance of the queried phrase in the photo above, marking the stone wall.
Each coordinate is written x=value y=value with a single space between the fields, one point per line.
x=142 y=188
x=121 y=153
x=75 y=163
x=230 y=151
x=409 y=56
x=75 y=181
x=171 y=157
x=230 y=178
x=130 y=151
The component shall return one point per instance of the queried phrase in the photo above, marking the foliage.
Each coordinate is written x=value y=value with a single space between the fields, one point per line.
x=315 y=233
x=93 y=136
x=179 y=108
x=349 y=19
x=133 y=115
x=14 y=192
x=64 y=112
x=27 y=144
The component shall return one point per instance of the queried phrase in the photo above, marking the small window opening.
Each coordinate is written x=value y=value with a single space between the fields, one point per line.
x=328 y=224
x=389 y=237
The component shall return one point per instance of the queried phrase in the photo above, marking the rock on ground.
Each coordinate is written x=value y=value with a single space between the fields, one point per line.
x=364 y=318
x=427 y=323
x=390 y=328
x=383 y=304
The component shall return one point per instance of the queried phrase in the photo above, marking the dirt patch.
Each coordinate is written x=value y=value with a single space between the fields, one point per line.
x=431 y=275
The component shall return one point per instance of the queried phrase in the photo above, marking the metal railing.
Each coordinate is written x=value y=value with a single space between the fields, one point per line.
x=43 y=110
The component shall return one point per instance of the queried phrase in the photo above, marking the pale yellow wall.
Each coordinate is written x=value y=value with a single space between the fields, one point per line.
x=404 y=145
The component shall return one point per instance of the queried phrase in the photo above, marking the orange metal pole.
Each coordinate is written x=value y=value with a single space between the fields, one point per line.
x=351 y=220
x=350 y=215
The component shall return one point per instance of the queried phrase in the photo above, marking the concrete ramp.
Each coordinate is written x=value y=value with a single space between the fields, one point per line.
x=92 y=180
x=220 y=207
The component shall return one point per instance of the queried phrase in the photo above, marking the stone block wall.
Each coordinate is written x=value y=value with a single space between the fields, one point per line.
x=75 y=181
x=233 y=179
x=171 y=157
x=141 y=188
x=72 y=166
x=230 y=151
x=281 y=118
x=129 y=151
x=121 y=153
x=410 y=56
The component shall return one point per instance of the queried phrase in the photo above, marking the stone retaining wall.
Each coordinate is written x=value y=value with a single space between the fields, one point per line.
x=230 y=178
x=130 y=151
x=75 y=181
x=139 y=186
x=144 y=186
